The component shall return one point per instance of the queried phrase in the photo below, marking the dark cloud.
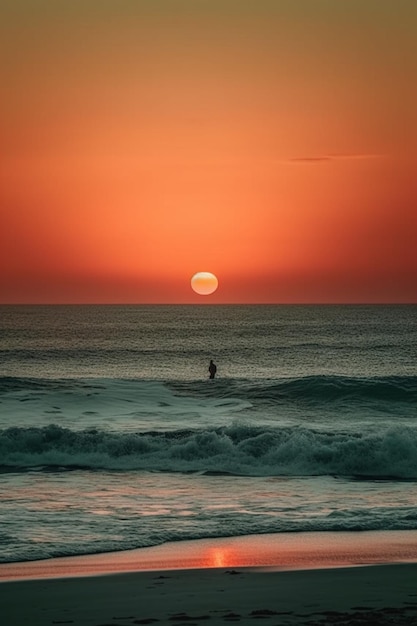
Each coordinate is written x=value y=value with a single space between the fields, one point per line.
x=310 y=159
x=334 y=157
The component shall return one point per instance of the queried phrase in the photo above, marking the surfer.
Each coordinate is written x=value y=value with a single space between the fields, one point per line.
x=212 y=369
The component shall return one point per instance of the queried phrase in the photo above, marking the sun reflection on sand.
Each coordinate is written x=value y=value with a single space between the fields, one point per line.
x=221 y=557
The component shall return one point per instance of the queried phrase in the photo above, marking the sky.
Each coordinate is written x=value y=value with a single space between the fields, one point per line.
x=270 y=142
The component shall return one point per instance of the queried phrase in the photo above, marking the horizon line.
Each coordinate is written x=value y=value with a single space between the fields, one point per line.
x=358 y=303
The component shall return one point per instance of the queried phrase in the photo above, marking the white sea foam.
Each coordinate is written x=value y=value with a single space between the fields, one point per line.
x=240 y=450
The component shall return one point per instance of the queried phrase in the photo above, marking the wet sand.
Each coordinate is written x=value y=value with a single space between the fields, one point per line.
x=301 y=592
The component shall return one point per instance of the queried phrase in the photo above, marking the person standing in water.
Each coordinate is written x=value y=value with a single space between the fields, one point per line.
x=212 y=369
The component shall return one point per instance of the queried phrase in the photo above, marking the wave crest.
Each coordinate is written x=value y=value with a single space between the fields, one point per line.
x=238 y=449
x=315 y=389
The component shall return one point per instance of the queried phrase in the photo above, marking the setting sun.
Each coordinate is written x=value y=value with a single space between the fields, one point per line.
x=204 y=283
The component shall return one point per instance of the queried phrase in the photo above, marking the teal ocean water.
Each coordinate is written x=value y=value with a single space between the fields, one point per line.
x=112 y=436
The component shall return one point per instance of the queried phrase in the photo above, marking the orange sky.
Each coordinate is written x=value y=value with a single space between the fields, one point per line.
x=272 y=142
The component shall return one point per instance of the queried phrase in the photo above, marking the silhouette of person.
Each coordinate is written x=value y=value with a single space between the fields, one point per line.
x=212 y=369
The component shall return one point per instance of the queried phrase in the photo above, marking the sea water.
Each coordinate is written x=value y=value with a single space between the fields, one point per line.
x=112 y=436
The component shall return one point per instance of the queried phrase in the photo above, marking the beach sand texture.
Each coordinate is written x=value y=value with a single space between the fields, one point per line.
x=385 y=594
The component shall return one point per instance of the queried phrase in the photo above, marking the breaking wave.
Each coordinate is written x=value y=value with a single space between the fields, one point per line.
x=237 y=449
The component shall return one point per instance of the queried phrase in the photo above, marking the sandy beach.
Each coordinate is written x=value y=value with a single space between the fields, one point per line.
x=359 y=595
x=307 y=592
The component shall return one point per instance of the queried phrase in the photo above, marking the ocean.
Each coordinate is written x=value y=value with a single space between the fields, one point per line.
x=112 y=436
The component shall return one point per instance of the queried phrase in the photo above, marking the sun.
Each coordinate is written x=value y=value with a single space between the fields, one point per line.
x=204 y=283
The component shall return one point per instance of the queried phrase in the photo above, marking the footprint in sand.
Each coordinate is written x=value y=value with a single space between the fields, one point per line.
x=232 y=617
x=184 y=617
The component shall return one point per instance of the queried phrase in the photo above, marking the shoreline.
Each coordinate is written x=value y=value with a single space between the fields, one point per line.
x=279 y=552
x=299 y=579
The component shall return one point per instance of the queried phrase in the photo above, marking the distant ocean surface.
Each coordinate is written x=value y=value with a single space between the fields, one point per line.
x=112 y=436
